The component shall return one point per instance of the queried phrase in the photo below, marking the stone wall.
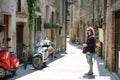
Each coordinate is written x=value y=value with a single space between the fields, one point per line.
x=110 y=34
x=8 y=7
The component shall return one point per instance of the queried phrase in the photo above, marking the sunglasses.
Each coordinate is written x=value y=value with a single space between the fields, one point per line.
x=88 y=30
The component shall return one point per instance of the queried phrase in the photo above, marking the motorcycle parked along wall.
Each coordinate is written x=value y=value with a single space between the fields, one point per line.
x=41 y=55
x=9 y=62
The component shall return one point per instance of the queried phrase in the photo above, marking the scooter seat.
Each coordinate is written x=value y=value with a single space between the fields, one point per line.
x=45 y=49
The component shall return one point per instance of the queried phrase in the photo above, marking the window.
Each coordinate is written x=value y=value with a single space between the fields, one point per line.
x=81 y=3
x=19 y=5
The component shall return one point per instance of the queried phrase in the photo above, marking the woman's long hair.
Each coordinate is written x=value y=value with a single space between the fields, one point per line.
x=92 y=31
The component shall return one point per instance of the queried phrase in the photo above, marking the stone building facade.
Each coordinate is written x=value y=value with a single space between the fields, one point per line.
x=50 y=17
x=73 y=24
x=8 y=18
x=22 y=26
x=53 y=13
x=14 y=14
x=112 y=37
x=60 y=20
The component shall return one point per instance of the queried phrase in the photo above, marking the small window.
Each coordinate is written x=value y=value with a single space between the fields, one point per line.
x=19 y=5
x=81 y=3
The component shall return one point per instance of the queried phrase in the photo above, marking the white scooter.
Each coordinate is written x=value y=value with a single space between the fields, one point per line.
x=41 y=55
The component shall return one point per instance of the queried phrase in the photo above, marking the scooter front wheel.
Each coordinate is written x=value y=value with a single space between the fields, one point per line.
x=37 y=62
x=2 y=72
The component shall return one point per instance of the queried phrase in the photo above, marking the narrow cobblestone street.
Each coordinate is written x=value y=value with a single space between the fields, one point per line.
x=39 y=28
x=70 y=65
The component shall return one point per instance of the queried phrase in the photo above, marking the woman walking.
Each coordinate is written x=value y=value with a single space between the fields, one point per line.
x=90 y=45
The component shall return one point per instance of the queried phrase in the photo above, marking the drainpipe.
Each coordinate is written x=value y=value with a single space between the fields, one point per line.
x=66 y=6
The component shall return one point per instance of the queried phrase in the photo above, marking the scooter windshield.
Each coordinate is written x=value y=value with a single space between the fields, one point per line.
x=38 y=49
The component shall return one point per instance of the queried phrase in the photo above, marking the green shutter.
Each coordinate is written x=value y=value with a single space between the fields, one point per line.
x=81 y=3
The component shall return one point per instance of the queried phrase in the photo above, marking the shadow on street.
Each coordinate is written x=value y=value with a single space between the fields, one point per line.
x=21 y=72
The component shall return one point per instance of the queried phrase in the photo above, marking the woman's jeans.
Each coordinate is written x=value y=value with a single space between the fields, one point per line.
x=90 y=57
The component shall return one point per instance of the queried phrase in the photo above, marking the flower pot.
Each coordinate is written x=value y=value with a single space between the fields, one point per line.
x=104 y=26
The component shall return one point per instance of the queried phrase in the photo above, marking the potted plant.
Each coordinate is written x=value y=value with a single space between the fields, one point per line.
x=103 y=25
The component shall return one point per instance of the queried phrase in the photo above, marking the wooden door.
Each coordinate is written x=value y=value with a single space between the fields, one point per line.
x=117 y=42
x=6 y=22
x=19 y=38
x=19 y=34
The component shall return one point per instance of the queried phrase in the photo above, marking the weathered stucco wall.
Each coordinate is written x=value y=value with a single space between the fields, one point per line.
x=8 y=7
x=109 y=55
